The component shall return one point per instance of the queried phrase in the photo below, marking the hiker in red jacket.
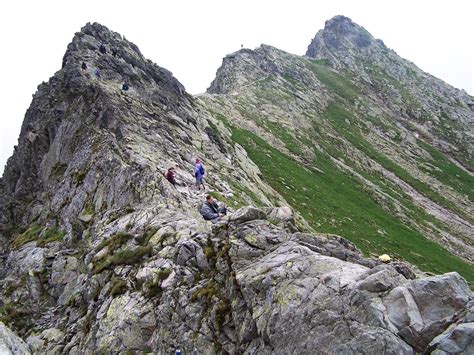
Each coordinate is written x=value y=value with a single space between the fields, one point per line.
x=170 y=175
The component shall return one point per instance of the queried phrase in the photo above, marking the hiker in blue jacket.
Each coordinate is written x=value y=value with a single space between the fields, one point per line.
x=199 y=174
x=210 y=211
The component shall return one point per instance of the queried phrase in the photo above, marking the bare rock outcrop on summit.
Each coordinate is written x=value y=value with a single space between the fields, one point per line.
x=100 y=253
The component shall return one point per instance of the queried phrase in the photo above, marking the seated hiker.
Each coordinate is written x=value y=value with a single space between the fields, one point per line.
x=125 y=86
x=170 y=175
x=199 y=174
x=84 y=66
x=210 y=211
x=97 y=73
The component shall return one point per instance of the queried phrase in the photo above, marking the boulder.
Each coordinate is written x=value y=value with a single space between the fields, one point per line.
x=424 y=308
x=458 y=339
x=246 y=214
x=127 y=324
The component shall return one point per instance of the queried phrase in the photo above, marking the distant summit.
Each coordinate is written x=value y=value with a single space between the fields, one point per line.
x=342 y=35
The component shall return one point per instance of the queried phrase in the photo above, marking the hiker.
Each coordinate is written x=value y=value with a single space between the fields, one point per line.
x=210 y=211
x=84 y=66
x=199 y=174
x=97 y=73
x=125 y=87
x=170 y=175
x=102 y=49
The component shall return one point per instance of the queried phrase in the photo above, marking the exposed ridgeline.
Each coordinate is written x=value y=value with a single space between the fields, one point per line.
x=102 y=254
x=88 y=146
x=353 y=139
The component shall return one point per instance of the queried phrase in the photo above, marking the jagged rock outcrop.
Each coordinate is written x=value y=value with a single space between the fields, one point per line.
x=102 y=254
x=10 y=343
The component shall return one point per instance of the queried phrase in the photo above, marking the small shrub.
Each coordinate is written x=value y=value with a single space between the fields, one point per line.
x=58 y=170
x=153 y=288
x=119 y=286
x=206 y=292
x=209 y=252
x=79 y=176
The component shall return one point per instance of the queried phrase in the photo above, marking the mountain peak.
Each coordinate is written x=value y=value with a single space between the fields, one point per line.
x=96 y=38
x=341 y=35
x=341 y=24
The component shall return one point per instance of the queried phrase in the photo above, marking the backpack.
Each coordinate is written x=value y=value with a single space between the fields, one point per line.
x=198 y=170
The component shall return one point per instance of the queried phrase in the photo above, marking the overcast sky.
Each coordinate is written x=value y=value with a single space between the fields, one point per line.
x=190 y=38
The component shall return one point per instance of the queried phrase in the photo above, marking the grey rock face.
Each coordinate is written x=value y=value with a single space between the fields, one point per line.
x=456 y=340
x=424 y=308
x=10 y=343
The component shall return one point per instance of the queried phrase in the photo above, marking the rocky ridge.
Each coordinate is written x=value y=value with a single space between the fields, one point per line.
x=103 y=254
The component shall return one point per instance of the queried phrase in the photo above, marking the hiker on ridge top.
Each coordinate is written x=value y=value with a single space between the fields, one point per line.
x=210 y=211
x=199 y=174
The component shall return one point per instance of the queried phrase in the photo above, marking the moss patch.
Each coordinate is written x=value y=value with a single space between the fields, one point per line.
x=41 y=235
x=119 y=286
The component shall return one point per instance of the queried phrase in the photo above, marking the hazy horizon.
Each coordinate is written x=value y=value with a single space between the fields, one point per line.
x=191 y=38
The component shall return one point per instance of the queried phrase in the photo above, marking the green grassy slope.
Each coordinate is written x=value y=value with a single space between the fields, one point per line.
x=334 y=202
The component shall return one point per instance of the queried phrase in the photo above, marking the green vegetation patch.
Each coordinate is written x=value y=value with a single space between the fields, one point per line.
x=334 y=81
x=449 y=173
x=115 y=241
x=15 y=315
x=58 y=169
x=119 y=286
x=339 y=117
x=123 y=257
x=334 y=202
x=41 y=235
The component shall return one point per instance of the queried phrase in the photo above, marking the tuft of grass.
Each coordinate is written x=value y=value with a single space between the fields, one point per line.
x=115 y=241
x=146 y=236
x=15 y=315
x=334 y=202
x=153 y=287
x=51 y=235
x=119 y=286
x=123 y=257
x=79 y=176
x=206 y=292
x=209 y=252
x=41 y=235
x=27 y=236
x=58 y=170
